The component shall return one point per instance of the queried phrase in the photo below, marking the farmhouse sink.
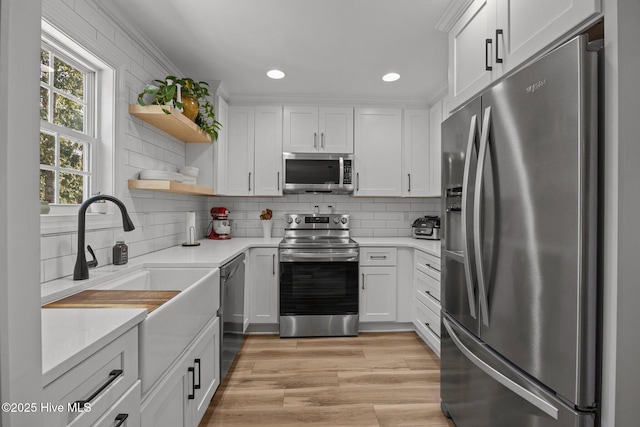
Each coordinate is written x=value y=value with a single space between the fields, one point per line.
x=169 y=329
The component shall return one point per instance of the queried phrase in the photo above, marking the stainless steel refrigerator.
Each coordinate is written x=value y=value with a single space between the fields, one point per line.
x=519 y=254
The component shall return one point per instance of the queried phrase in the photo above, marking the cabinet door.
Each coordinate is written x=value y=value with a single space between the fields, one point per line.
x=378 y=149
x=416 y=165
x=469 y=53
x=167 y=405
x=435 y=150
x=268 y=151
x=300 y=130
x=239 y=153
x=378 y=288
x=221 y=147
x=530 y=26
x=336 y=130
x=206 y=372
x=264 y=283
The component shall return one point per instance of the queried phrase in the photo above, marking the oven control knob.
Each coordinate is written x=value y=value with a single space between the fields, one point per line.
x=336 y=220
x=344 y=220
x=289 y=220
x=297 y=220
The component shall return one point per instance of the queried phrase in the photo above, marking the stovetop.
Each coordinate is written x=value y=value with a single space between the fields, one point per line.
x=317 y=231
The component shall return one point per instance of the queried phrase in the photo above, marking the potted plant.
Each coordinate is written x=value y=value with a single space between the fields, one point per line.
x=181 y=93
x=267 y=224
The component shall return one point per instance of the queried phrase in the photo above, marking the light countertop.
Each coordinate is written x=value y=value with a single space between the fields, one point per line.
x=71 y=335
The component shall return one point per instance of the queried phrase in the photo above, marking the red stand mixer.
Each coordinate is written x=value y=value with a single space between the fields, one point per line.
x=220 y=225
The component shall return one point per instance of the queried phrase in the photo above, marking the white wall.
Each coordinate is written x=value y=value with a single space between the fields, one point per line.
x=20 y=348
x=159 y=217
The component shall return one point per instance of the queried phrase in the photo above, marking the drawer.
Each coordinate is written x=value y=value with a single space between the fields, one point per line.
x=427 y=263
x=378 y=256
x=427 y=318
x=101 y=379
x=426 y=285
x=127 y=409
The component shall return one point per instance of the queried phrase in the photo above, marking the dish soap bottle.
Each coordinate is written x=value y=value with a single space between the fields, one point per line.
x=120 y=251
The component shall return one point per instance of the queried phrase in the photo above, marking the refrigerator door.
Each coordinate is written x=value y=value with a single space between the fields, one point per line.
x=481 y=389
x=460 y=136
x=537 y=217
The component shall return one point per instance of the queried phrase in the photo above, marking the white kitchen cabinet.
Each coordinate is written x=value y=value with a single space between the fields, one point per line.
x=267 y=165
x=317 y=130
x=182 y=396
x=127 y=409
x=378 y=284
x=378 y=150
x=416 y=166
x=263 y=280
x=435 y=149
x=238 y=159
x=426 y=287
x=212 y=173
x=102 y=380
x=250 y=163
x=493 y=37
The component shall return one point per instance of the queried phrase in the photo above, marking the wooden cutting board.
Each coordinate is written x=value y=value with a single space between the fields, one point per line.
x=115 y=299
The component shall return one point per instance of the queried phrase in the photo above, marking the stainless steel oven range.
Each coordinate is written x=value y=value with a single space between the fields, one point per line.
x=319 y=293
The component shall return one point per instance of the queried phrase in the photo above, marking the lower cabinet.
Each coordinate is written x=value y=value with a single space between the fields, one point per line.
x=264 y=279
x=426 y=288
x=182 y=396
x=378 y=284
x=95 y=389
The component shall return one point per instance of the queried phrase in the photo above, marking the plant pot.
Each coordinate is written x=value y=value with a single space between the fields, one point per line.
x=190 y=106
x=267 y=225
x=98 y=208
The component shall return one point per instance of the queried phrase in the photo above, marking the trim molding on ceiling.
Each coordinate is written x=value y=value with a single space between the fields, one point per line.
x=451 y=14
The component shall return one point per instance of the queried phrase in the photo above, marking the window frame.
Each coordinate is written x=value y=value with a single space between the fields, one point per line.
x=63 y=218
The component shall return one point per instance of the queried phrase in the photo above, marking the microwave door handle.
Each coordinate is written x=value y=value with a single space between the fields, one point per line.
x=473 y=130
x=341 y=178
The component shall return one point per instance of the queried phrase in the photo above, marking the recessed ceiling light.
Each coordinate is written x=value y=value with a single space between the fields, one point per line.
x=391 y=77
x=275 y=74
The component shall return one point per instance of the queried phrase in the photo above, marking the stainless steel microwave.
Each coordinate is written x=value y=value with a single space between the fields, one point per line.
x=318 y=173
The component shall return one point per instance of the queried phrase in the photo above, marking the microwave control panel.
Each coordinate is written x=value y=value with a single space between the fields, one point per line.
x=347 y=172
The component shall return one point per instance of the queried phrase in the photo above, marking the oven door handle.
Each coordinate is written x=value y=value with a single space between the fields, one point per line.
x=318 y=257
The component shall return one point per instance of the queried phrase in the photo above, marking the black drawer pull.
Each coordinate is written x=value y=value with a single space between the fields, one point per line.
x=121 y=418
x=192 y=371
x=431 y=329
x=113 y=375
x=197 y=386
x=498 y=33
x=486 y=54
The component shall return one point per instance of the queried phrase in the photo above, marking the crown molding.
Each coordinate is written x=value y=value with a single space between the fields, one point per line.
x=451 y=14
x=318 y=100
x=117 y=16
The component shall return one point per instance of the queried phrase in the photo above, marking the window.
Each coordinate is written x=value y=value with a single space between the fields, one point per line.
x=78 y=88
x=67 y=129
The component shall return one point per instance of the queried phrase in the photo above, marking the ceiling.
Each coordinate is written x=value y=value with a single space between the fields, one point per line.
x=328 y=48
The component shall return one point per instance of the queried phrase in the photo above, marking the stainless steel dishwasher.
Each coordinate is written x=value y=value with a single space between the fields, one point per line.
x=231 y=312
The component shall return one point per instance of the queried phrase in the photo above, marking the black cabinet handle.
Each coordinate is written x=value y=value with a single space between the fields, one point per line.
x=487 y=42
x=278 y=179
x=498 y=59
x=121 y=418
x=113 y=375
x=431 y=329
x=192 y=371
x=409 y=175
x=273 y=264
x=197 y=386
x=249 y=181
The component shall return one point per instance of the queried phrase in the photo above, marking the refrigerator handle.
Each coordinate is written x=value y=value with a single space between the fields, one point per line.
x=477 y=243
x=473 y=132
x=536 y=401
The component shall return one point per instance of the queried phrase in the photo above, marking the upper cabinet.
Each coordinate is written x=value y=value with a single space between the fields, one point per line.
x=250 y=160
x=317 y=130
x=378 y=146
x=493 y=37
x=416 y=154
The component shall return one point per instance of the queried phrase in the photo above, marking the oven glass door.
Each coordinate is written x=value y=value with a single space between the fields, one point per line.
x=318 y=288
x=303 y=171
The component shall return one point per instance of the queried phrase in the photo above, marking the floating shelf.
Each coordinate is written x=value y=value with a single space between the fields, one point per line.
x=170 y=187
x=175 y=124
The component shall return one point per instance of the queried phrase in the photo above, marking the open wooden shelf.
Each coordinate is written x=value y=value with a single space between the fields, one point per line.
x=175 y=124
x=170 y=187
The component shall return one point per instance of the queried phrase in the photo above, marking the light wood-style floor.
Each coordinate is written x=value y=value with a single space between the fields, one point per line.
x=375 y=379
